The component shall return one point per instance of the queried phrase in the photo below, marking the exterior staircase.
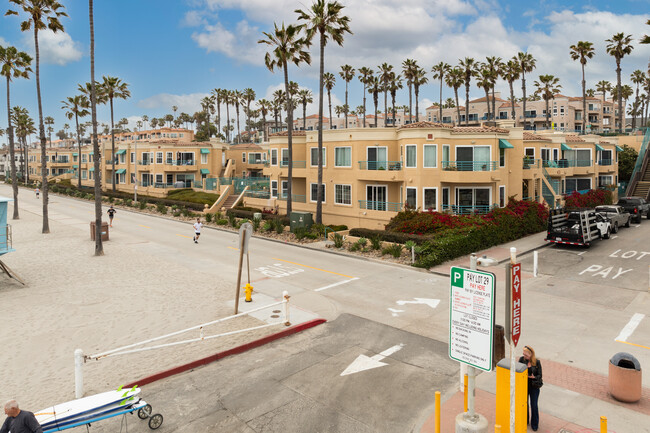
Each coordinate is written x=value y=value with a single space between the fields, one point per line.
x=230 y=201
x=643 y=186
x=639 y=185
x=550 y=188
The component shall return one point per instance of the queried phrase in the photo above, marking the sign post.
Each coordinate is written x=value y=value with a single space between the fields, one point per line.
x=471 y=324
x=245 y=232
x=513 y=322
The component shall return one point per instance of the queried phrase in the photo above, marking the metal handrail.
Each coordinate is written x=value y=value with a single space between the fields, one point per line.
x=476 y=209
x=639 y=166
x=380 y=205
x=296 y=164
x=380 y=165
x=469 y=165
x=180 y=162
x=299 y=198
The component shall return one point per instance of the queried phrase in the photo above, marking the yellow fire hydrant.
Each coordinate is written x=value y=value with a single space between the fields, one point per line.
x=248 y=290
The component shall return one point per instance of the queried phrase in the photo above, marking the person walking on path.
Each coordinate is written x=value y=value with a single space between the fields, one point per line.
x=534 y=384
x=197 y=230
x=38 y=192
x=19 y=421
x=111 y=214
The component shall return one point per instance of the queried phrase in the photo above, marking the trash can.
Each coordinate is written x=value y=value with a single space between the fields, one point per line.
x=625 y=377
x=104 y=231
x=499 y=345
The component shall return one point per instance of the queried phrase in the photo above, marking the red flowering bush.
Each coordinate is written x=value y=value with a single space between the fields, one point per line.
x=590 y=199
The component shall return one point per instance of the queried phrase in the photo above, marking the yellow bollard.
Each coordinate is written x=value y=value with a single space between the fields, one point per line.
x=465 y=394
x=437 y=411
x=603 y=424
x=248 y=290
x=497 y=428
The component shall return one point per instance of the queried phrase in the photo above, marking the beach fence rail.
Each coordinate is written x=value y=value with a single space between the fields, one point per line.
x=80 y=358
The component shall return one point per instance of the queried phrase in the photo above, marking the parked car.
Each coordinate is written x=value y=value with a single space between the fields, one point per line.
x=576 y=227
x=617 y=216
x=636 y=206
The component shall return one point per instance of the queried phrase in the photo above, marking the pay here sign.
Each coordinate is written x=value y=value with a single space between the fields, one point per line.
x=471 y=317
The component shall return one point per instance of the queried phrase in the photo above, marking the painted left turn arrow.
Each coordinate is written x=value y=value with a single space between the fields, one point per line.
x=364 y=362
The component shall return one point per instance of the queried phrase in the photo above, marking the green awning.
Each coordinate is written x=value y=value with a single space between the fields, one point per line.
x=204 y=151
x=505 y=144
x=91 y=169
x=599 y=147
x=565 y=147
x=91 y=153
x=75 y=166
x=619 y=149
x=121 y=171
x=205 y=171
x=75 y=154
x=121 y=152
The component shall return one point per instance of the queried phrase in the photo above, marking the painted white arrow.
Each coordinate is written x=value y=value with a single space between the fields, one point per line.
x=433 y=303
x=364 y=362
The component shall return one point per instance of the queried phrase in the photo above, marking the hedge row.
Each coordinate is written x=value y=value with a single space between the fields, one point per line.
x=153 y=200
x=389 y=236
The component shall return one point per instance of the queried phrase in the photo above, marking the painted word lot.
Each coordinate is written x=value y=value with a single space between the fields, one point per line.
x=471 y=317
x=632 y=261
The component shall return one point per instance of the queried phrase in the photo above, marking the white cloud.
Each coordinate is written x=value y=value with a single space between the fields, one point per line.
x=239 y=44
x=55 y=48
x=193 y=19
x=189 y=103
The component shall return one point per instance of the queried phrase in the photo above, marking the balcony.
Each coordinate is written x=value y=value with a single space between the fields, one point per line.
x=380 y=206
x=380 y=165
x=297 y=198
x=530 y=163
x=163 y=185
x=145 y=162
x=178 y=162
x=469 y=165
x=255 y=161
x=296 y=164
x=605 y=162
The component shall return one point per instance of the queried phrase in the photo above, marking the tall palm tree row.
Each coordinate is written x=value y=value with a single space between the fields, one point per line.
x=346 y=74
x=76 y=107
x=638 y=78
x=468 y=66
x=454 y=79
x=547 y=87
x=365 y=75
x=41 y=15
x=385 y=75
x=419 y=78
x=24 y=128
x=526 y=64
x=582 y=51
x=305 y=96
x=619 y=46
x=440 y=72
x=329 y=80
x=114 y=88
x=13 y=64
x=408 y=69
x=511 y=72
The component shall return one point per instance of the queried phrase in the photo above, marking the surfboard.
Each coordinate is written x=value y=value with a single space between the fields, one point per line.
x=97 y=417
x=85 y=406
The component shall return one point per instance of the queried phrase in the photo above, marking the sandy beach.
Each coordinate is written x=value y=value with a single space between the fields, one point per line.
x=75 y=300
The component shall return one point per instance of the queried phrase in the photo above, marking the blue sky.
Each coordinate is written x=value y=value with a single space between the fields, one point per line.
x=173 y=52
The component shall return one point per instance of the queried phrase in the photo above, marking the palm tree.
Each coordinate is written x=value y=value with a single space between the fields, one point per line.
x=279 y=99
x=328 y=81
x=217 y=94
x=24 y=128
x=394 y=85
x=347 y=74
x=248 y=96
x=374 y=87
x=484 y=81
x=604 y=86
x=590 y=92
x=547 y=87
x=637 y=77
x=305 y=97
x=618 y=47
x=145 y=119
x=114 y=88
x=440 y=72
x=13 y=64
x=468 y=65
x=286 y=47
x=49 y=121
x=227 y=98
x=41 y=15
x=454 y=80
x=526 y=64
x=419 y=79
x=265 y=106
x=449 y=103
x=409 y=67
x=582 y=51
x=77 y=106
x=237 y=99
x=494 y=65
x=510 y=72
x=365 y=74
x=646 y=39
x=339 y=109
x=385 y=75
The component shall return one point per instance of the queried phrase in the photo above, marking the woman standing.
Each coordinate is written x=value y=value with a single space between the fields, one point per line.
x=534 y=384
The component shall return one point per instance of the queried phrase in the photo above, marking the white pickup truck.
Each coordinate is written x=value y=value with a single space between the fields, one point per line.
x=576 y=227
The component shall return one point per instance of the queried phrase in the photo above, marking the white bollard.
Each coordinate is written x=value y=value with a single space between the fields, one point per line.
x=287 y=320
x=78 y=373
x=535 y=263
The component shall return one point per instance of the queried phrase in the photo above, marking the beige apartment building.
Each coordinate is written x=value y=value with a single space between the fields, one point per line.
x=565 y=113
x=370 y=174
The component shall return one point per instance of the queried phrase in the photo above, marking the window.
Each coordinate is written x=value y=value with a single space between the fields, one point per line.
x=430 y=156
x=576 y=184
x=606 y=157
x=285 y=158
x=285 y=188
x=445 y=198
x=314 y=156
x=411 y=156
x=343 y=157
x=605 y=181
x=132 y=157
x=529 y=152
x=74 y=158
x=502 y=196
x=243 y=157
x=430 y=199
x=274 y=187
x=343 y=194
x=445 y=154
x=84 y=174
x=502 y=157
x=159 y=178
x=412 y=197
x=473 y=158
x=159 y=157
x=274 y=159
x=84 y=158
x=169 y=156
x=204 y=158
x=122 y=178
x=546 y=154
x=314 y=191
x=503 y=114
x=122 y=158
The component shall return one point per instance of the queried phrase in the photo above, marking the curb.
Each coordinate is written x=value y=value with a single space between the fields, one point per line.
x=220 y=355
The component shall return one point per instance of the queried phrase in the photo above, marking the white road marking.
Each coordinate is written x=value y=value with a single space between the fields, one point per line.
x=394 y=312
x=364 y=362
x=614 y=237
x=433 y=303
x=630 y=327
x=336 y=284
x=581 y=253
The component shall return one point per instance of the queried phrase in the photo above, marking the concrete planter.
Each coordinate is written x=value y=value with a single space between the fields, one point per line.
x=625 y=378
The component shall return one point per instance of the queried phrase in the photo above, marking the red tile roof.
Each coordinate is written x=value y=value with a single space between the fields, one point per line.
x=508 y=104
x=425 y=124
x=245 y=146
x=573 y=139
x=286 y=134
x=529 y=136
x=470 y=129
x=483 y=100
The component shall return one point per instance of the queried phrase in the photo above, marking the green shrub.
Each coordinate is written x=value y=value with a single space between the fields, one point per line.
x=394 y=250
x=338 y=228
x=388 y=236
x=176 y=213
x=232 y=219
x=222 y=222
x=208 y=218
x=300 y=233
x=186 y=212
x=268 y=226
x=256 y=223
x=188 y=195
x=362 y=242
x=90 y=196
x=409 y=244
x=128 y=202
x=142 y=204
x=174 y=207
x=375 y=243
x=279 y=226
x=111 y=199
x=161 y=208
x=338 y=240
x=354 y=247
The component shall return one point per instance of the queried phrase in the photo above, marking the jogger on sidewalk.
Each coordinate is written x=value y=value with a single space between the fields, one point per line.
x=197 y=230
